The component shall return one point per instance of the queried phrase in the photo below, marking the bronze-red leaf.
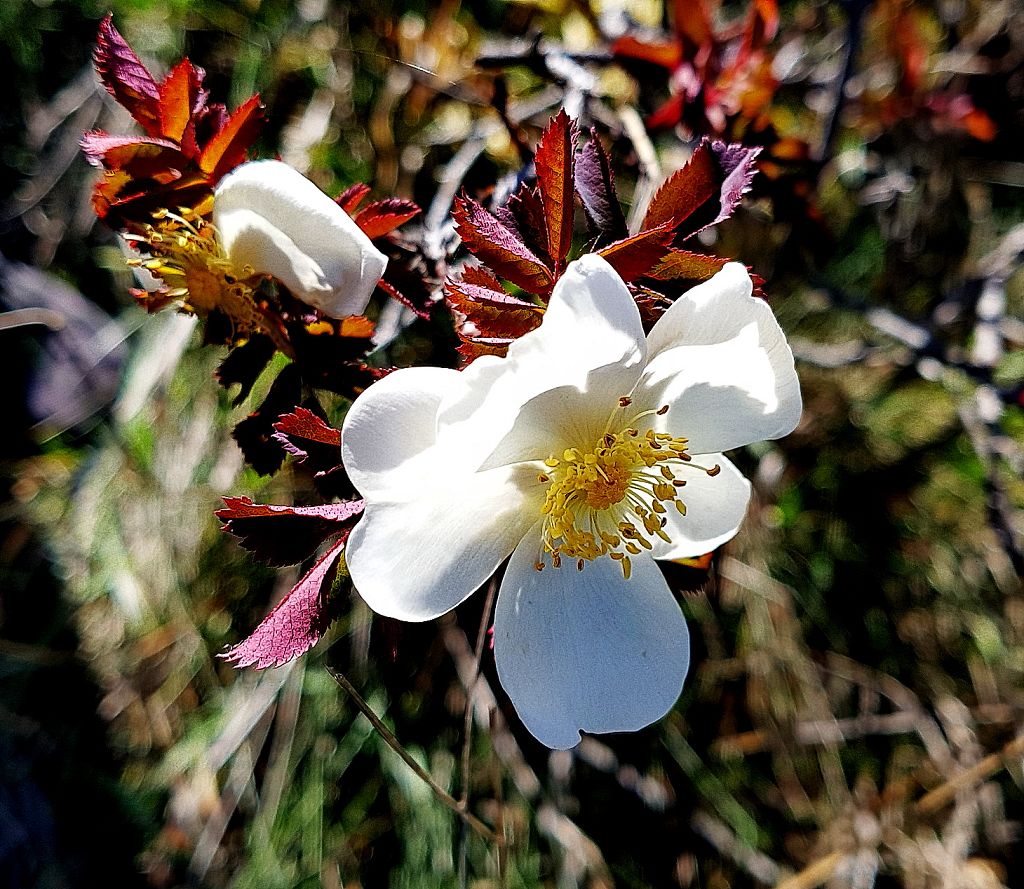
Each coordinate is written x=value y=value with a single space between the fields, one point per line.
x=381 y=217
x=554 y=163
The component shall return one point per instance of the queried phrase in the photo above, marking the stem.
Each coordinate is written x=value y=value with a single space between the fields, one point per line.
x=467 y=725
x=389 y=738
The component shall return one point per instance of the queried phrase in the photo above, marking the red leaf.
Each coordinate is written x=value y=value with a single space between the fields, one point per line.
x=524 y=213
x=681 y=264
x=285 y=535
x=304 y=424
x=381 y=217
x=296 y=624
x=665 y=54
x=706 y=191
x=230 y=146
x=685 y=191
x=635 y=256
x=397 y=295
x=595 y=183
x=113 y=152
x=180 y=98
x=693 y=26
x=352 y=197
x=126 y=78
x=490 y=314
x=500 y=247
x=554 y=162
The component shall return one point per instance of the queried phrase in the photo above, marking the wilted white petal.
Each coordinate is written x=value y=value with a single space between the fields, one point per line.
x=418 y=558
x=273 y=219
x=587 y=650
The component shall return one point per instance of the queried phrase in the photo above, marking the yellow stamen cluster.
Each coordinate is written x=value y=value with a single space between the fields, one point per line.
x=184 y=251
x=611 y=500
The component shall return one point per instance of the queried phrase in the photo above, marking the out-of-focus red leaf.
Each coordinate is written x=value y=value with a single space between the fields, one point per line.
x=979 y=125
x=595 y=183
x=635 y=256
x=706 y=191
x=381 y=217
x=126 y=78
x=296 y=624
x=180 y=97
x=693 y=26
x=500 y=248
x=230 y=146
x=761 y=26
x=665 y=54
x=285 y=535
x=352 y=197
x=554 y=163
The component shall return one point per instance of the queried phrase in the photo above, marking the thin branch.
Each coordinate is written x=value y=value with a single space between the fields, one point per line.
x=467 y=724
x=389 y=738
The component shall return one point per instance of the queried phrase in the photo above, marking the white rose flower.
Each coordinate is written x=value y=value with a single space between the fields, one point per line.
x=272 y=219
x=586 y=453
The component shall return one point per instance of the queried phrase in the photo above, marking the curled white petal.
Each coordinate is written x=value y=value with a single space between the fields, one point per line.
x=720 y=360
x=272 y=219
x=587 y=650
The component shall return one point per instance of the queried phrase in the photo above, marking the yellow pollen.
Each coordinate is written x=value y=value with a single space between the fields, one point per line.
x=185 y=253
x=610 y=500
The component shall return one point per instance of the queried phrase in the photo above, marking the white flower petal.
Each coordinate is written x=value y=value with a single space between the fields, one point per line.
x=711 y=312
x=726 y=395
x=389 y=432
x=565 y=417
x=587 y=650
x=417 y=559
x=715 y=507
x=272 y=218
x=591 y=321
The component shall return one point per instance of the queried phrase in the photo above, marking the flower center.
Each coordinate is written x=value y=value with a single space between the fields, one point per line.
x=612 y=500
x=185 y=253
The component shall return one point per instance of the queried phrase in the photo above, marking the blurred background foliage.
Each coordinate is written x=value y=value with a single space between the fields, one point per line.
x=855 y=706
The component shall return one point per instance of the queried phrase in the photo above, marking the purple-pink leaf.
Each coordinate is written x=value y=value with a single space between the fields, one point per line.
x=595 y=183
x=500 y=248
x=285 y=535
x=296 y=624
x=704 y=192
x=126 y=78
